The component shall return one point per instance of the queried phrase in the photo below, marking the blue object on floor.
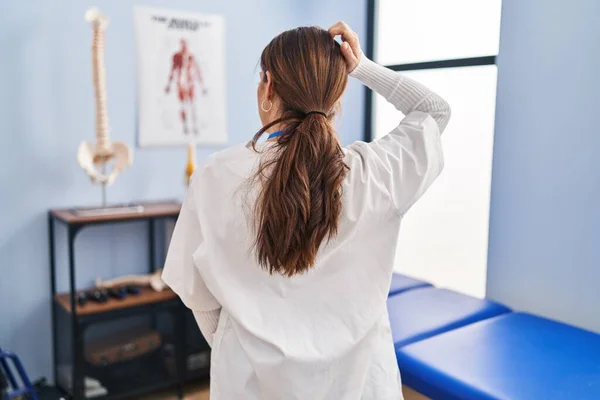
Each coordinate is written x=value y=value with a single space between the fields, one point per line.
x=419 y=314
x=14 y=390
x=402 y=283
x=514 y=356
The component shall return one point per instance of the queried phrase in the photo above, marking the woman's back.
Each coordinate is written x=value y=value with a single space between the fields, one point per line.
x=323 y=333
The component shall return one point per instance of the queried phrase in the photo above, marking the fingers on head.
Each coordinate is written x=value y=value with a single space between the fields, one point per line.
x=348 y=35
x=339 y=28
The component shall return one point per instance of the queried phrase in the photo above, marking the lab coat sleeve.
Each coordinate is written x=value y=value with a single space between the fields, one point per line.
x=180 y=272
x=407 y=160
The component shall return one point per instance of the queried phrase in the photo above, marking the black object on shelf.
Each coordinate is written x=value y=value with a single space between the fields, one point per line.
x=117 y=293
x=98 y=295
x=82 y=299
x=77 y=310
x=132 y=289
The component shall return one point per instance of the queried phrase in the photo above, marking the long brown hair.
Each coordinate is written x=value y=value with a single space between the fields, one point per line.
x=300 y=199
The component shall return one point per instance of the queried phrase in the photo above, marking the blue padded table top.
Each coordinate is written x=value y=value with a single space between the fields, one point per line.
x=402 y=283
x=422 y=313
x=514 y=356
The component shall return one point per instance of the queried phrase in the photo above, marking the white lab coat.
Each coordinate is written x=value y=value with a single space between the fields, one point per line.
x=321 y=335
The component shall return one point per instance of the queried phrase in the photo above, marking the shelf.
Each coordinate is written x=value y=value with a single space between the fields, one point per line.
x=147 y=382
x=148 y=373
x=146 y=296
x=130 y=390
x=126 y=391
x=150 y=210
x=72 y=327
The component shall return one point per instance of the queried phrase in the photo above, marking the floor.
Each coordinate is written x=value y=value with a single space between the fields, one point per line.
x=201 y=393
x=410 y=394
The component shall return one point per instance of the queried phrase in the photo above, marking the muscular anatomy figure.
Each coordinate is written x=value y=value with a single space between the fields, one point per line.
x=186 y=72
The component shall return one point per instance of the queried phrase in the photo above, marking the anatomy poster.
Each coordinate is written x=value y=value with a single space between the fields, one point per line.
x=181 y=77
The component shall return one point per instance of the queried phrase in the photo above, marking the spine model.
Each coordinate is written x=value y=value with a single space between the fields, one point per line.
x=94 y=158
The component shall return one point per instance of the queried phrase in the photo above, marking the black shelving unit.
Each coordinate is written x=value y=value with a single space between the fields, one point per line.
x=70 y=321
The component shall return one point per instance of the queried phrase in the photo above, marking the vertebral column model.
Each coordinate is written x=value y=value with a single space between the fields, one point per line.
x=186 y=72
x=93 y=158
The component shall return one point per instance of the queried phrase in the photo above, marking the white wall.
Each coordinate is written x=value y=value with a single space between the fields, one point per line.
x=544 y=253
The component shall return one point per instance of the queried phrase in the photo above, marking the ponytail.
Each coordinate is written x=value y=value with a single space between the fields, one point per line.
x=300 y=200
x=300 y=181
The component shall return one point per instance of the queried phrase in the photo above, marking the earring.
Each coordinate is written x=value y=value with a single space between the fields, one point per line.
x=262 y=105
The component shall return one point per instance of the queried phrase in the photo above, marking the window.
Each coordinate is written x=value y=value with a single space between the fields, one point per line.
x=411 y=31
x=450 y=47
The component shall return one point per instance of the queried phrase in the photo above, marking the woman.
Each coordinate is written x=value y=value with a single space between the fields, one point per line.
x=284 y=249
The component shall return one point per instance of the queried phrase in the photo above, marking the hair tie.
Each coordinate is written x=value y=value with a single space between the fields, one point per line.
x=315 y=112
